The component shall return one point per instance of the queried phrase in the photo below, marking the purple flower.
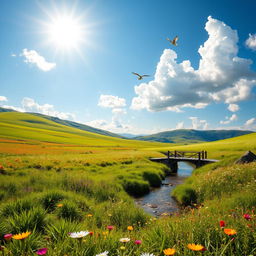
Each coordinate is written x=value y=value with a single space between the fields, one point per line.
x=42 y=251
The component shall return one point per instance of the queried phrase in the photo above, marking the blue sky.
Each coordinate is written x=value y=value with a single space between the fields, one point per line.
x=73 y=59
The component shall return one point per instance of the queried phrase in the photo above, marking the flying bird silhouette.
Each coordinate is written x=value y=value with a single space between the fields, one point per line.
x=140 y=77
x=174 y=41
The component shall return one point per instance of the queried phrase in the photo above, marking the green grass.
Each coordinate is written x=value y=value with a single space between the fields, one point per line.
x=82 y=181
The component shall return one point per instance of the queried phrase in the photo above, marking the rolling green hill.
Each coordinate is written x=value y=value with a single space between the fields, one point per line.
x=186 y=136
x=24 y=126
x=69 y=123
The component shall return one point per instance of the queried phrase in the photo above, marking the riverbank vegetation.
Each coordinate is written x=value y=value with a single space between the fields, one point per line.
x=51 y=190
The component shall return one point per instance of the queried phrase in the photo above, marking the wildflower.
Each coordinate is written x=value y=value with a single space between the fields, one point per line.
x=105 y=233
x=122 y=248
x=137 y=241
x=103 y=254
x=169 y=251
x=59 y=205
x=1 y=167
x=130 y=228
x=229 y=231
x=21 y=236
x=147 y=254
x=80 y=234
x=42 y=251
x=91 y=233
x=196 y=247
x=222 y=223
x=7 y=237
x=247 y=216
x=89 y=215
x=124 y=240
x=110 y=227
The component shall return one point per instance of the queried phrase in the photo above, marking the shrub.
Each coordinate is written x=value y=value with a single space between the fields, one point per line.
x=136 y=187
x=184 y=194
x=33 y=219
x=69 y=211
x=12 y=208
x=153 y=178
x=50 y=200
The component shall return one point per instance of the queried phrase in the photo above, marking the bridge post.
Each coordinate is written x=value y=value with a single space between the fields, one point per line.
x=173 y=166
x=175 y=153
x=199 y=156
x=205 y=154
x=168 y=154
x=202 y=154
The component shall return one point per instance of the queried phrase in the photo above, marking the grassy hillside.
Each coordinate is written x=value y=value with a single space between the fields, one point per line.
x=186 y=136
x=78 y=125
x=34 y=129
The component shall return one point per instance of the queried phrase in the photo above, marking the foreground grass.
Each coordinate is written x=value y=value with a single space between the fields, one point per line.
x=52 y=189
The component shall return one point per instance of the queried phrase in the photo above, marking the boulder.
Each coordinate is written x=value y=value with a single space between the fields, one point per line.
x=246 y=158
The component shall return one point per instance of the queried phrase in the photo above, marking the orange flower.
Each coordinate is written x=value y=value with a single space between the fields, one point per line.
x=196 y=247
x=89 y=215
x=229 y=231
x=21 y=236
x=59 y=205
x=169 y=251
x=130 y=228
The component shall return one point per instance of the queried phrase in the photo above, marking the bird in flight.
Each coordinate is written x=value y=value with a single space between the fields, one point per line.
x=174 y=41
x=139 y=76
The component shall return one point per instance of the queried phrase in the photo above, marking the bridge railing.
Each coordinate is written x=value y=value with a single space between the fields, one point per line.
x=188 y=154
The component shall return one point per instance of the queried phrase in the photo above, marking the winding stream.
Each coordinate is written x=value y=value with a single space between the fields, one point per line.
x=159 y=200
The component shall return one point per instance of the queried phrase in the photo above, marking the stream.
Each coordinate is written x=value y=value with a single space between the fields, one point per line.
x=159 y=201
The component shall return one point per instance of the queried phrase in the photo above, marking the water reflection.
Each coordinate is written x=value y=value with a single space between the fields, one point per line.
x=159 y=201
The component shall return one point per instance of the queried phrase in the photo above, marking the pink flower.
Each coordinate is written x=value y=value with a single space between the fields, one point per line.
x=42 y=251
x=222 y=223
x=138 y=242
x=8 y=237
x=247 y=216
x=110 y=228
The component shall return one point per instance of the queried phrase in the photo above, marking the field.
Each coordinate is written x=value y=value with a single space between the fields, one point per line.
x=56 y=180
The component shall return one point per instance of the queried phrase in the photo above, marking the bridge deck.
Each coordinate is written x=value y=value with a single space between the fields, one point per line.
x=183 y=159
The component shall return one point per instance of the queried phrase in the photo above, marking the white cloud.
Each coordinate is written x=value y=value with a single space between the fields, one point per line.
x=222 y=76
x=110 y=101
x=234 y=117
x=233 y=107
x=251 y=42
x=33 y=57
x=13 y=55
x=13 y=108
x=30 y=105
x=3 y=98
x=198 y=124
x=180 y=125
x=250 y=122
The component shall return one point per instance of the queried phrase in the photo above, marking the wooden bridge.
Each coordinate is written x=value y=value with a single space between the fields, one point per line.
x=197 y=158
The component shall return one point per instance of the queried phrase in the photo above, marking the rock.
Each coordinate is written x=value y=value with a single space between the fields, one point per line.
x=246 y=158
x=153 y=206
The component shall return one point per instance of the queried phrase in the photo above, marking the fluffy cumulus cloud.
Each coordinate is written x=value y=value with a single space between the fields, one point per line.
x=198 y=124
x=35 y=58
x=30 y=105
x=3 y=98
x=110 y=101
x=250 y=122
x=251 y=42
x=233 y=107
x=230 y=119
x=222 y=76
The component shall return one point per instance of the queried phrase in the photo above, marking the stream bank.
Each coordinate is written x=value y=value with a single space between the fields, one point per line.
x=159 y=201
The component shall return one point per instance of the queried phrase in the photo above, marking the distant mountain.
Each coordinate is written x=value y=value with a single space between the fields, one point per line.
x=130 y=136
x=187 y=136
x=70 y=124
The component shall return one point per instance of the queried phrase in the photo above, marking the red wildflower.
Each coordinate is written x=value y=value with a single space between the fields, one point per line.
x=138 y=242
x=110 y=227
x=222 y=223
x=42 y=251
x=247 y=216
x=8 y=237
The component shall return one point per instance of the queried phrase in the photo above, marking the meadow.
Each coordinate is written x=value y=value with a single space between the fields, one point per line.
x=56 y=181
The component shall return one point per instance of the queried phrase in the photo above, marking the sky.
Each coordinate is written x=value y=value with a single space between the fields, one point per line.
x=74 y=60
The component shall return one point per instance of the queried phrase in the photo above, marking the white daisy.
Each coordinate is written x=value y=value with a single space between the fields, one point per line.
x=80 y=234
x=103 y=254
x=125 y=240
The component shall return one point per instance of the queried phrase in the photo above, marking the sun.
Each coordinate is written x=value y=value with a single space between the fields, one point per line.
x=65 y=32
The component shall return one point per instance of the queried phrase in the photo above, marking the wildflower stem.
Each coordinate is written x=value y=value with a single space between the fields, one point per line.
x=225 y=248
